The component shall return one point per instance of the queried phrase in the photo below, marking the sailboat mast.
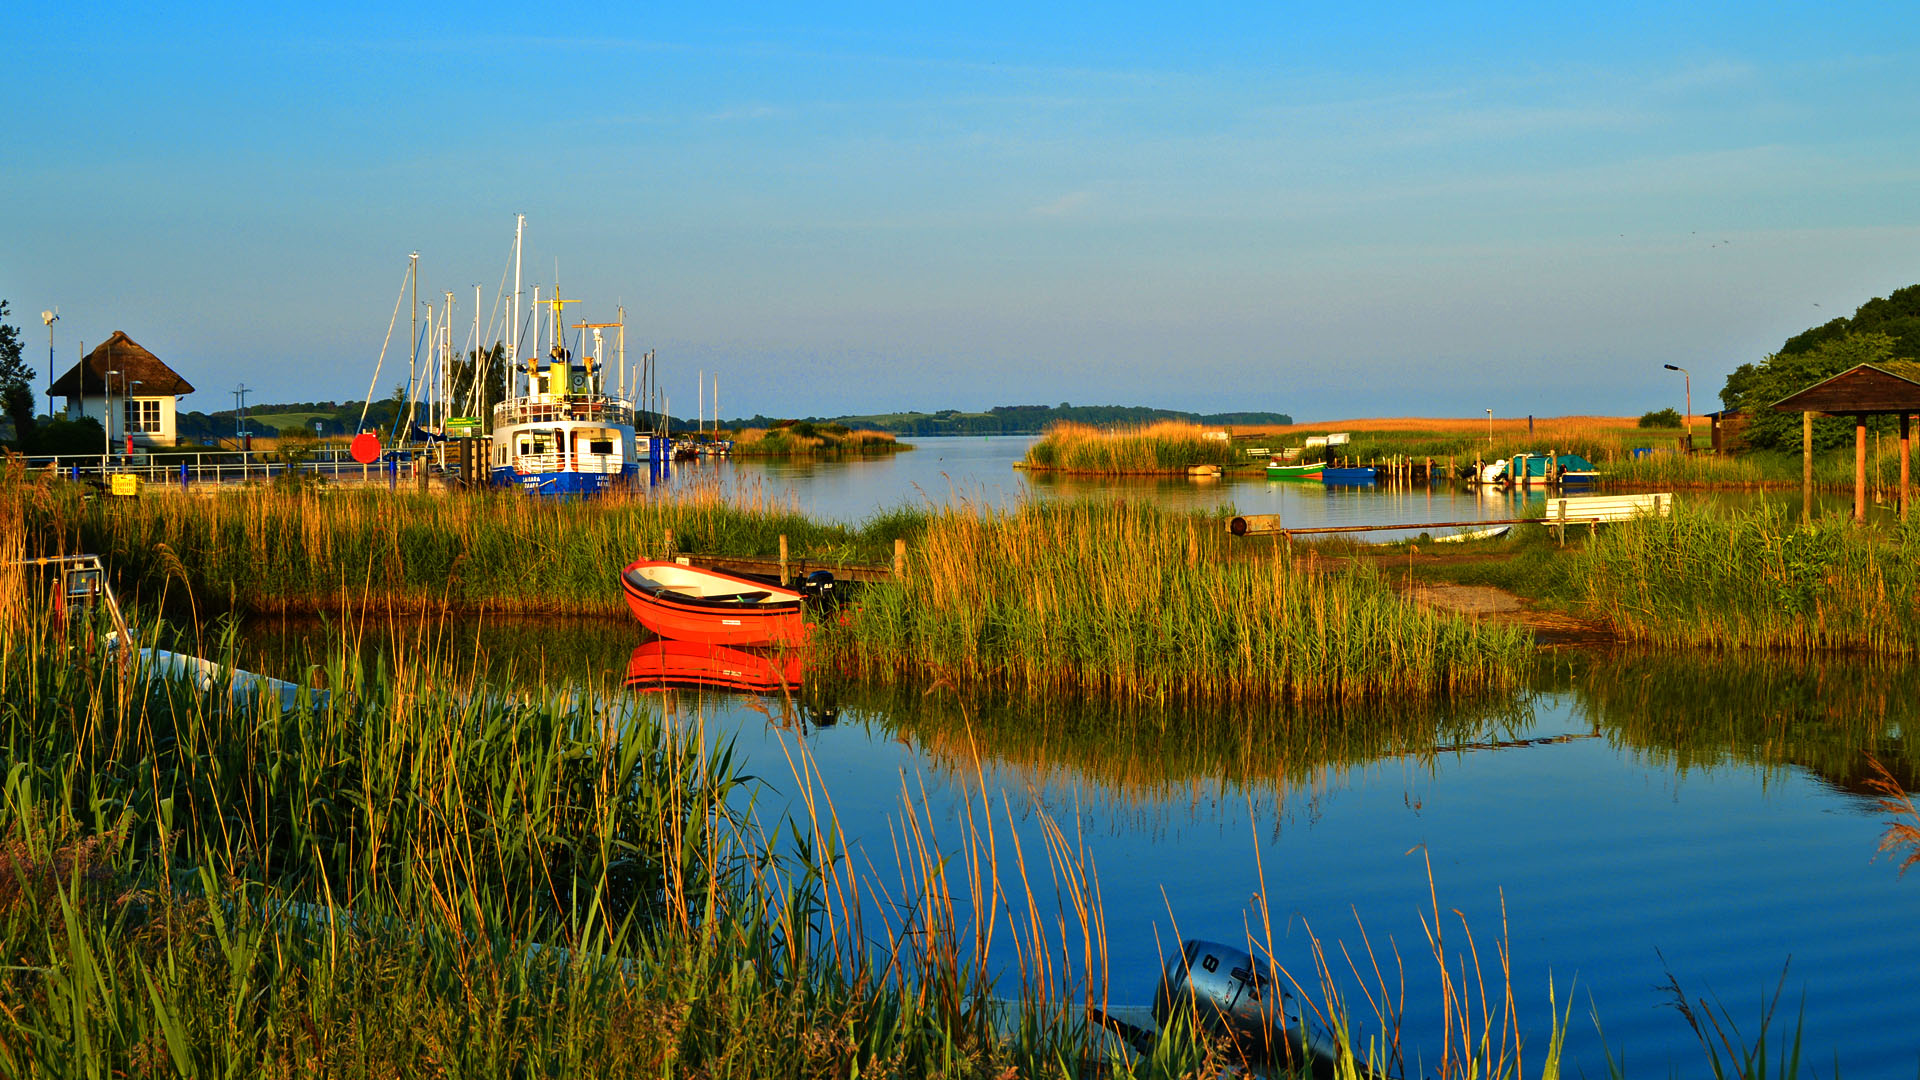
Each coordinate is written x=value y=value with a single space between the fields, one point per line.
x=475 y=398
x=622 y=347
x=513 y=349
x=446 y=361
x=413 y=346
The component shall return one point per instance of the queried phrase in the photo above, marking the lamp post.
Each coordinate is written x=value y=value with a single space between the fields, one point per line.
x=1689 y=378
x=106 y=418
x=50 y=317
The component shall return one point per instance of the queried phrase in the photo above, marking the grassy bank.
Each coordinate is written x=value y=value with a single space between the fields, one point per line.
x=1167 y=447
x=1754 y=579
x=1113 y=600
x=806 y=439
x=1608 y=442
x=261 y=549
x=1125 y=601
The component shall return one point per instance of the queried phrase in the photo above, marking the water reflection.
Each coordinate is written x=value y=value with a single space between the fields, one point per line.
x=663 y=664
x=1825 y=715
x=1623 y=808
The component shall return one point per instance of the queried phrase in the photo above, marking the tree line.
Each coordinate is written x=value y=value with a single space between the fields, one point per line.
x=1882 y=329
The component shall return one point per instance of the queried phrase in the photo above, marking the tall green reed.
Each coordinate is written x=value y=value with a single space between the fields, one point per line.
x=1127 y=601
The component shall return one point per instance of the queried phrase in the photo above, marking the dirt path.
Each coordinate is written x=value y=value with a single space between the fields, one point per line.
x=1550 y=628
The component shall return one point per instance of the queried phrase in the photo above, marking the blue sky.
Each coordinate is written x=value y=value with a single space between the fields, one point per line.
x=1387 y=211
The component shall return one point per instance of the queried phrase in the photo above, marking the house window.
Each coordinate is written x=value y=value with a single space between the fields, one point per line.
x=143 y=417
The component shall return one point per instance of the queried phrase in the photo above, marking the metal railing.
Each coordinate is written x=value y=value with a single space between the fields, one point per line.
x=234 y=466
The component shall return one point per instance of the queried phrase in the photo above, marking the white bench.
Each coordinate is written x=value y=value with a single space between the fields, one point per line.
x=1591 y=510
x=1257 y=452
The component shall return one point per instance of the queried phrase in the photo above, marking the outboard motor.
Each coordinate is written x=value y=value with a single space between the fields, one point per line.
x=1230 y=996
x=818 y=588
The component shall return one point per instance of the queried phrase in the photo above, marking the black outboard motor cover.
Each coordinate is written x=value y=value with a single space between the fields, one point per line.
x=1230 y=996
x=818 y=588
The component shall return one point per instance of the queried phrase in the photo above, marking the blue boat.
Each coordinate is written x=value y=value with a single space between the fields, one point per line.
x=1350 y=476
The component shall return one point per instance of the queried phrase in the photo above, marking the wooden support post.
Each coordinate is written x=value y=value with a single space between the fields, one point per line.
x=899 y=559
x=1906 y=445
x=1563 y=523
x=666 y=547
x=783 y=560
x=1806 y=466
x=422 y=470
x=1860 y=468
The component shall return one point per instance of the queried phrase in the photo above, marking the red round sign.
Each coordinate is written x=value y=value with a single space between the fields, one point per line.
x=365 y=448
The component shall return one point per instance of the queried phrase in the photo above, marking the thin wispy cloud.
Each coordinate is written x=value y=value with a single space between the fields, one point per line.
x=1068 y=205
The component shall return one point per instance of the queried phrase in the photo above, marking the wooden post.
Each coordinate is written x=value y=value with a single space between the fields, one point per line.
x=1906 y=444
x=1563 y=523
x=783 y=559
x=1859 y=468
x=423 y=470
x=1806 y=466
x=667 y=547
x=899 y=559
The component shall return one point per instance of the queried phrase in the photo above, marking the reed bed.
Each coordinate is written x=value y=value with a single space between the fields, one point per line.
x=1124 y=601
x=423 y=876
x=267 y=549
x=1163 y=447
x=824 y=440
x=1758 y=578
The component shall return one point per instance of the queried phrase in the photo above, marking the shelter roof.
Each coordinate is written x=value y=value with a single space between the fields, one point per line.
x=1890 y=386
x=136 y=367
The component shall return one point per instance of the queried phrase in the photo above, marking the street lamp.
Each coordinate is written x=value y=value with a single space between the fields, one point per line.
x=50 y=317
x=106 y=458
x=1689 y=378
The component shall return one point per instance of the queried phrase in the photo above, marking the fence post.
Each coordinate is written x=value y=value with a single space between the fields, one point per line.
x=783 y=560
x=899 y=558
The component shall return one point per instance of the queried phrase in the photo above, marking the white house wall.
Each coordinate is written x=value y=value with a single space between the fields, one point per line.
x=95 y=408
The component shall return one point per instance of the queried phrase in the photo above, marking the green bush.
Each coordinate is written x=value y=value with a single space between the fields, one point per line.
x=1661 y=418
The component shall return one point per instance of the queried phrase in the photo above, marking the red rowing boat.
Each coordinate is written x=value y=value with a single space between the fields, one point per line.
x=661 y=664
x=689 y=603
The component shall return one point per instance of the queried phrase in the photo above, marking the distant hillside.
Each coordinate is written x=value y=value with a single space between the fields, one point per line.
x=1022 y=419
x=342 y=417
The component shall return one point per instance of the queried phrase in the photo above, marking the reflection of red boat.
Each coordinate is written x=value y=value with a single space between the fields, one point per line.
x=693 y=663
x=688 y=603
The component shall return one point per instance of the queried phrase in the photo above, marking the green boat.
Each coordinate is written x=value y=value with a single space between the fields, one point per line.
x=1277 y=471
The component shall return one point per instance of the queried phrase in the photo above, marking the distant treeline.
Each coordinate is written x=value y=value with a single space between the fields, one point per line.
x=343 y=418
x=1021 y=419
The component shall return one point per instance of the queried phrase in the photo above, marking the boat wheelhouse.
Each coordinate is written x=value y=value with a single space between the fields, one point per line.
x=561 y=431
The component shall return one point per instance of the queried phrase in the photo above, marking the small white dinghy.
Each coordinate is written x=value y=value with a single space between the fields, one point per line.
x=1491 y=533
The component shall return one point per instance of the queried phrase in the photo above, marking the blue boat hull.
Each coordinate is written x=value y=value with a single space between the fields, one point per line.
x=1349 y=477
x=564 y=483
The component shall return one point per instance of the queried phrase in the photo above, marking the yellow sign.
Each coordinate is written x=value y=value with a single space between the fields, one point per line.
x=126 y=484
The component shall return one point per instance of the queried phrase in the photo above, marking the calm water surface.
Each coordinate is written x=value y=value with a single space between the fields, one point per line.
x=980 y=469
x=1633 y=815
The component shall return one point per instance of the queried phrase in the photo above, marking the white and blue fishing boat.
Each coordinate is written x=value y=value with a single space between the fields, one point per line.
x=562 y=430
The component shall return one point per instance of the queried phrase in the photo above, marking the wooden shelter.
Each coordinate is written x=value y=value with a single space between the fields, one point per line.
x=1891 y=387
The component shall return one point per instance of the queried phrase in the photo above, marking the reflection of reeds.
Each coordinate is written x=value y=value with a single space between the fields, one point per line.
x=1126 y=601
x=1164 y=447
x=1146 y=752
x=1832 y=714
